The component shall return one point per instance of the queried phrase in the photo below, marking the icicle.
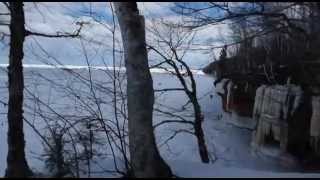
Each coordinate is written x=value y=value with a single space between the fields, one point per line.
x=220 y=85
x=271 y=111
x=298 y=98
x=288 y=80
x=229 y=88
x=258 y=102
x=246 y=87
x=315 y=118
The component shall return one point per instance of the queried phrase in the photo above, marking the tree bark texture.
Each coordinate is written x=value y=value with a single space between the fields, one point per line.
x=145 y=157
x=16 y=162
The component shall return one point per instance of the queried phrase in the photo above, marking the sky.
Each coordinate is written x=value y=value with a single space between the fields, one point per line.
x=95 y=48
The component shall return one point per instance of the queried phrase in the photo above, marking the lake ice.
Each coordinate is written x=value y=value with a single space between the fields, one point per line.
x=230 y=144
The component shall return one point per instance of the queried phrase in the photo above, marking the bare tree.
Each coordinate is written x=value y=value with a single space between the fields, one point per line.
x=17 y=165
x=173 y=41
x=93 y=117
x=284 y=17
x=144 y=154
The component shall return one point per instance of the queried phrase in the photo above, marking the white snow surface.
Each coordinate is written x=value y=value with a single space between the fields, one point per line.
x=228 y=143
x=122 y=69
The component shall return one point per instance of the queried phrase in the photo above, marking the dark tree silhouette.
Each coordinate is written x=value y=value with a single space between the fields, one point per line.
x=17 y=165
x=145 y=158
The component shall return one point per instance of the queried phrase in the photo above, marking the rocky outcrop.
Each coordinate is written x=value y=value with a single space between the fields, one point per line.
x=315 y=125
x=287 y=116
x=237 y=101
x=274 y=105
x=236 y=97
x=284 y=117
x=222 y=91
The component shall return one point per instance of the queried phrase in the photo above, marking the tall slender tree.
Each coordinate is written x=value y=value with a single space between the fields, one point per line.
x=145 y=158
x=17 y=165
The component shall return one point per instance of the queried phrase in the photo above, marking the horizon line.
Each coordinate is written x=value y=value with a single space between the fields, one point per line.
x=47 y=66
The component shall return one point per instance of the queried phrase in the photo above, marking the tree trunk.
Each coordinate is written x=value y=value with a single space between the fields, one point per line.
x=198 y=129
x=16 y=162
x=197 y=111
x=145 y=158
x=192 y=95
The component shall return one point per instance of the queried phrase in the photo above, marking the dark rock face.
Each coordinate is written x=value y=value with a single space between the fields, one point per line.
x=237 y=97
x=315 y=125
x=222 y=91
x=243 y=99
x=304 y=72
x=299 y=127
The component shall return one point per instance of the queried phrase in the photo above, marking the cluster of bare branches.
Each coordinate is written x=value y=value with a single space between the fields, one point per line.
x=167 y=47
x=85 y=92
x=64 y=130
x=287 y=18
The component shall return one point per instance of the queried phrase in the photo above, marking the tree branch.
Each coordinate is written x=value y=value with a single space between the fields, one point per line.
x=3 y=35
x=172 y=121
x=4 y=103
x=58 y=35
x=7 y=5
x=157 y=65
x=169 y=89
x=4 y=24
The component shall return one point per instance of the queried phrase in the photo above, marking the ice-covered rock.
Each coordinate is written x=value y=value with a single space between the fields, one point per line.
x=258 y=102
x=220 y=86
x=315 y=119
x=272 y=108
x=229 y=102
x=315 y=124
x=237 y=102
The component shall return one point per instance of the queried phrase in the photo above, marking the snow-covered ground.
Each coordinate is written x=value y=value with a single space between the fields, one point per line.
x=229 y=144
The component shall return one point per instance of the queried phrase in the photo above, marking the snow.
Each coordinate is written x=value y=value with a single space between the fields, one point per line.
x=200 y=170
x=226 y=142
x=121 y=69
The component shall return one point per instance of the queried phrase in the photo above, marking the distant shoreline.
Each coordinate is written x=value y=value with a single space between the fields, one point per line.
x=123 y=69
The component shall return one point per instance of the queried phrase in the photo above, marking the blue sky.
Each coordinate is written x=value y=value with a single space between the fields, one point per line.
x=51 y=17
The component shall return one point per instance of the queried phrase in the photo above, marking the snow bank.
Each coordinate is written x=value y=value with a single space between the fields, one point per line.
x=199 y=170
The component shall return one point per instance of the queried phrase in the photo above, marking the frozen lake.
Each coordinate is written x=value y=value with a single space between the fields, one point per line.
x=60 y=91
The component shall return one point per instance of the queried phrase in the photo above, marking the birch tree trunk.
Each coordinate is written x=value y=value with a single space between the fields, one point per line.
x=145 y=158
x=16 y=162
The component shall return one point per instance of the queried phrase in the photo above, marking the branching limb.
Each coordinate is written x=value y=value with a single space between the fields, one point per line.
x=173 y=121
x=58 y=35
x=169 y=89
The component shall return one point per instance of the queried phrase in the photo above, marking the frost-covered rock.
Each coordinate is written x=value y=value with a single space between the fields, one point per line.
x=220 y=86
x=258 y=102
x=273 y=105
x=237 y=101
x=315 y=124
x=315 y=119
x=222 y=91
x=229 y=102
